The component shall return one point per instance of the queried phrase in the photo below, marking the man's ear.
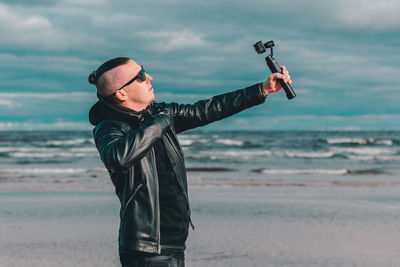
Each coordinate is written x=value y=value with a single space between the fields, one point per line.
x=121 y=95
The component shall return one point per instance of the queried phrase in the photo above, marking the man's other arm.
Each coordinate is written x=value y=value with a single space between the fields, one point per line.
x=120 y=148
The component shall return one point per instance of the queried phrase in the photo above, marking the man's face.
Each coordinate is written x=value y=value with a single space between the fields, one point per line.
x=140 y=93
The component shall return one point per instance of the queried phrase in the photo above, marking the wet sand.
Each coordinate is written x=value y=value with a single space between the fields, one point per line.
x=347 y=223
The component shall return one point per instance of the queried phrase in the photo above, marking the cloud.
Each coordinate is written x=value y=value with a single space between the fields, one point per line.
x=382 y=15
x=47 y=63
x=27 y=29
x=343 y=55
x=24 y=30
x=168 y=41
x=9 y=103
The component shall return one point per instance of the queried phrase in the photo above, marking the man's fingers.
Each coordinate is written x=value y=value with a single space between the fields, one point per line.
x=285 y=77
x=278 y=75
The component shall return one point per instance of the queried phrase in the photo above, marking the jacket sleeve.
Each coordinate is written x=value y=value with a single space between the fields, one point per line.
x=120 y=148
x=216 y=108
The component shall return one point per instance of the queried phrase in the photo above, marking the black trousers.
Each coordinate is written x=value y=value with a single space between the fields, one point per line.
x=167 y=258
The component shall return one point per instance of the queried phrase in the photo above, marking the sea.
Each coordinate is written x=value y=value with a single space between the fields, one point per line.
x=258 y=198
x=217 y=158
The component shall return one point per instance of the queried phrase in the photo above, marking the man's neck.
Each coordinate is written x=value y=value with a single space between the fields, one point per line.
x=133 y=106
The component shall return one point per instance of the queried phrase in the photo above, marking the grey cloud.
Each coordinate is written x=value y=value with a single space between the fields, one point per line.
x=343 y=55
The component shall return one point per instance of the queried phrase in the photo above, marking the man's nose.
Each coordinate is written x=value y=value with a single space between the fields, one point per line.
x=149 y=77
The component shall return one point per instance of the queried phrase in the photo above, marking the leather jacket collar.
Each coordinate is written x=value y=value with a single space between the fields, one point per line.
x=103 y=110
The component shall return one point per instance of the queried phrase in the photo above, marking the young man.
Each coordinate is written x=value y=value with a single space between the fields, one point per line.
x=136 y=139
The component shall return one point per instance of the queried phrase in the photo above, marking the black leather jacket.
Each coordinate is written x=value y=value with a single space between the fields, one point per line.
x=125 y=140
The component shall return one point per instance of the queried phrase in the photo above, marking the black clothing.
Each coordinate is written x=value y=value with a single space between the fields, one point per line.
x=167 y=258
x=125 y=140
x=174 y=219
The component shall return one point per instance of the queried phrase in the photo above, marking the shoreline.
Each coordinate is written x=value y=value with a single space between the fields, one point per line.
x=102 y=183
x=72 y=185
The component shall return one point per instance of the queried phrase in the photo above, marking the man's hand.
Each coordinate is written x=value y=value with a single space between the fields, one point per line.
x=272 y=84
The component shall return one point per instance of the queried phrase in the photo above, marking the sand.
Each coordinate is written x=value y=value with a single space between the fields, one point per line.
x=275 y=224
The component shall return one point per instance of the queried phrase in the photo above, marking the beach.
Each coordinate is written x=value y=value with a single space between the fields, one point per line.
x=257 y=199
x=270 y=225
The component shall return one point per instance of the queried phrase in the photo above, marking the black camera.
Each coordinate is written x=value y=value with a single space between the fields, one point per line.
x=273 y=65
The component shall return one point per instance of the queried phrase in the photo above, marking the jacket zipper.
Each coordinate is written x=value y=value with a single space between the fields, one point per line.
x=139 y=117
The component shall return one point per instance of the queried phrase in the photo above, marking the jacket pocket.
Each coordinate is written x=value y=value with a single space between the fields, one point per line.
x=123 y=211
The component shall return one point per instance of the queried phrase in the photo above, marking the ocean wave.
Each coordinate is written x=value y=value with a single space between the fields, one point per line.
x=303 y=171
x=208 y=169
x=365 y=150
x=229 y=142
x=186 y=142
x=49 y=170
x=361 y=158
x=238 y=154
x=46 y=152
x=355 y=153
x=359 y=141
x=190 y=136
x=83 y=149
x=366 y=171
x=303 y=154
x=388 y=158
x=50 y=155
x=30 y=149
x=374 y=158
x=384 y=142
x=77 y=141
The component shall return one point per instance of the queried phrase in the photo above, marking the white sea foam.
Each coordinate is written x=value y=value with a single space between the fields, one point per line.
x=49 y=155
x=69 y=142
x=50 y=170
x=366 y=158
x=359 y=141
x=30 y=149
x=305 y=171
x=388 y=158
x=232 y=154
x=384 y=142
x=374 y=158
x=186 y=142
x=229 y=142
x=188 y=136
x=83 y=149
x=45 y=150
x=302 y=154
x=365 y=150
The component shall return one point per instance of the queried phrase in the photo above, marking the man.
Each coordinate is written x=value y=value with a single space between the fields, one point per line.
x=136 y=139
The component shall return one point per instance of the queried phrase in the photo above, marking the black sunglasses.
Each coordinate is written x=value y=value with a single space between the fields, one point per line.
x=141 y=75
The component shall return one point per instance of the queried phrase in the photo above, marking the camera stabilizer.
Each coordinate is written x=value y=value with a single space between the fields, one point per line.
x=273 y=65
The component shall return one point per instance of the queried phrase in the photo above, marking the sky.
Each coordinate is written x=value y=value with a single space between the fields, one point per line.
x=343 y=57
